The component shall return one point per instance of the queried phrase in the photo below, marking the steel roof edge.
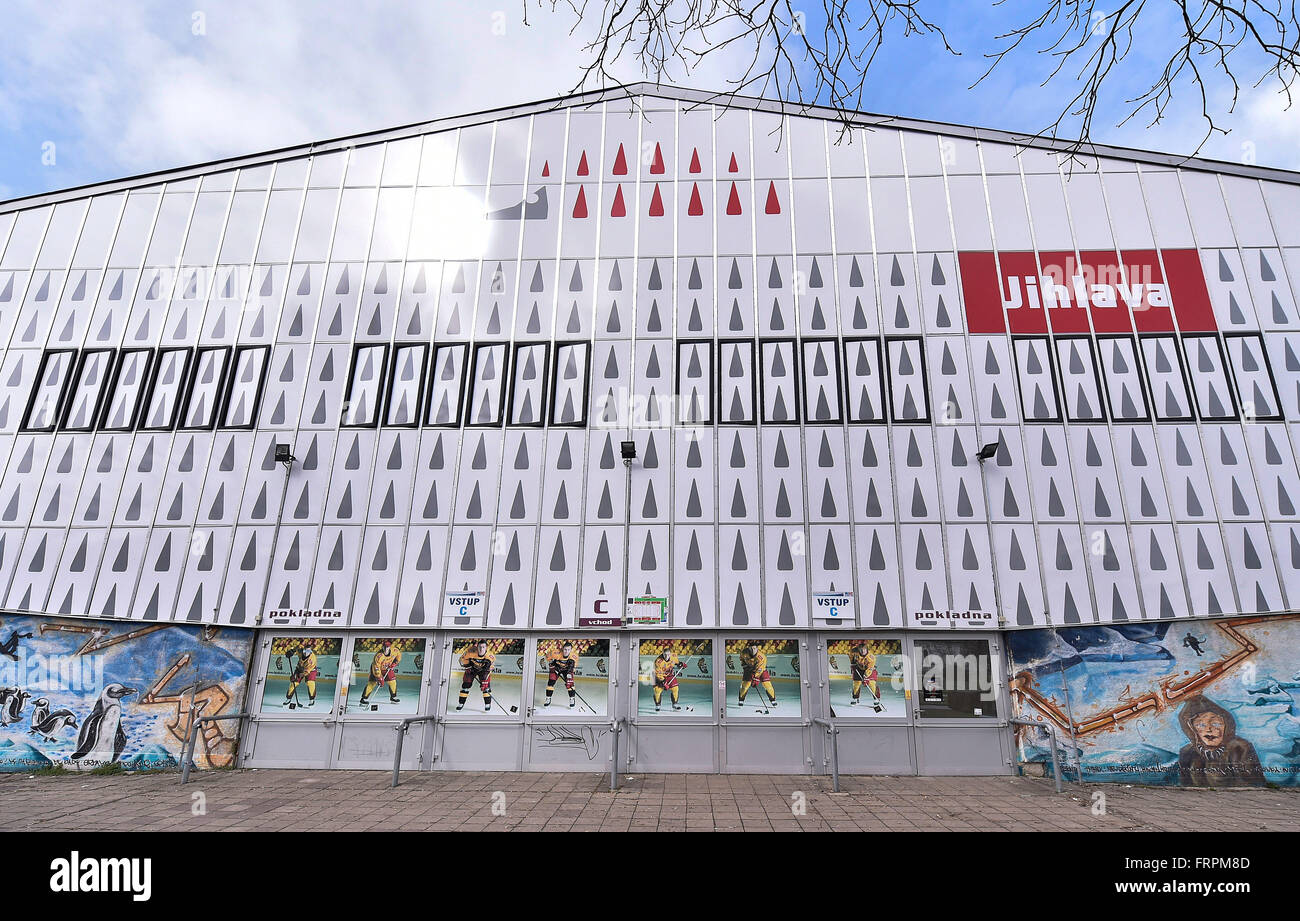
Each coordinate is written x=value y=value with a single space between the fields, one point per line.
x=648 y=89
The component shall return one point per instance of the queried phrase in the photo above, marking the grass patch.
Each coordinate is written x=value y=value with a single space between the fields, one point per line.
x=107 y=769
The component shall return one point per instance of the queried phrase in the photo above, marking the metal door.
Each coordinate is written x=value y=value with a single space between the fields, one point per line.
x=672 y=705
x=294 y=699
x=481 y=694
x=378 y=668
x=862 y=685
x=768 y=732
x=959 y=705
x=574 y=732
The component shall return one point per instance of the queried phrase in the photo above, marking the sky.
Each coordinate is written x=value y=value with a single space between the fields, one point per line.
x=97 y=91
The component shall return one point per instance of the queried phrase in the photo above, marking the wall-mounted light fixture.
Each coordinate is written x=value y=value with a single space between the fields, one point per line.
x=284 y=455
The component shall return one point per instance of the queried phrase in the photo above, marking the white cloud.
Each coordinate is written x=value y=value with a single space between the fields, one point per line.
x=139 y=90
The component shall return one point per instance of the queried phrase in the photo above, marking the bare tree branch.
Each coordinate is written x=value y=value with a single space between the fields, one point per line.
x=825 y=59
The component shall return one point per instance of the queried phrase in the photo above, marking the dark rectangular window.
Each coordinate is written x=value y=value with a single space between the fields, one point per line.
x=246 y=381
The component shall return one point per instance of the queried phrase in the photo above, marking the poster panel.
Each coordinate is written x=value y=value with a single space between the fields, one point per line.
x=867 y=677
x=572 y=677
x=301 y=674
x=385 y=675
x=763 y=678
x=486 y=676
x=675 y=677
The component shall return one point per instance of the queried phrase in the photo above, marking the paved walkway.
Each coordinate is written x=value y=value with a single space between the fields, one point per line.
x=361 y=800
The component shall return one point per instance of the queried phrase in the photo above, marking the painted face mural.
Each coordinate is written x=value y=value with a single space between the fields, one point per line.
x=1207 y=704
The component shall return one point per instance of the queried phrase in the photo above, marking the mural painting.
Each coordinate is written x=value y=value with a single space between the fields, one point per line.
x=85 y=694
x=1195 y=703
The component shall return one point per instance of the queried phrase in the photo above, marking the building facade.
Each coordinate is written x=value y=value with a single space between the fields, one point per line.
x=674 y=410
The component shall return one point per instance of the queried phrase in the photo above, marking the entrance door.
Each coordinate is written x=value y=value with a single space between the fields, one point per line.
x=958 y=706
x=763 y=727
x=674 y=726
x=570 y=708
x=485 y=679
x=295 y=696
x=865 y=691
x=382 y=682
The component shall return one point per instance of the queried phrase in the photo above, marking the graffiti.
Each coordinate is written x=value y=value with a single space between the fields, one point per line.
x=87 y=694
x=584 y=737
x=1166 y=703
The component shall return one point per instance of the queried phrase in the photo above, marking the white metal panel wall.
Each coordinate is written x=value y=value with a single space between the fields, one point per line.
x=460 y=328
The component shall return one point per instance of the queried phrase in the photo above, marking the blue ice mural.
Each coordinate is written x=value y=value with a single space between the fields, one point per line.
x=87 y=693
x=1207 y=703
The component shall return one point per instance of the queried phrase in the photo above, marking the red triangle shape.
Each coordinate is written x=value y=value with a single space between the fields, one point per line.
x=546 y=168
x=657 y=164
x=656 y=203
x=696 y=207
x=582 y=165
x=580 y=206
x=733 y=201
x=773 y=206
x=618 y=209
x=733 y=168
x=695 y=160
x=620 y=163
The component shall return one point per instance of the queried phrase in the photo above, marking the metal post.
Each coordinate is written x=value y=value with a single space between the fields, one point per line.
x=832 y=732
x=401 y=738
x=1051 y=738
x=1056 y=765
x=187 y=747
x=397 y=758
x=1069 y=714
x=617 y=727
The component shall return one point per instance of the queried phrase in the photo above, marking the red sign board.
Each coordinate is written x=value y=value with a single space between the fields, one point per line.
x=1106 y=292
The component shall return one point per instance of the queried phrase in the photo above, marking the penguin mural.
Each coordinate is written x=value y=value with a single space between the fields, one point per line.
x=11 y=711
x=102 y=737
x=49 y=724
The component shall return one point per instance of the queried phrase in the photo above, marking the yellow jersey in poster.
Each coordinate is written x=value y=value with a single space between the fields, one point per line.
x=664 y=668
x=383 y=665
x=754 y=664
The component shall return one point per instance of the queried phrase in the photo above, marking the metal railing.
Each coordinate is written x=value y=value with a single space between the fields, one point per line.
x=833 y=733
x=401 y=728
x=191 y=739
x=1051 y=735
x=616 y=725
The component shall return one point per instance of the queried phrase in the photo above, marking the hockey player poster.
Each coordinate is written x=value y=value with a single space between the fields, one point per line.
x=386 y=674
x=675 y=677
x=763 y=678
x=301 y=674
x=572 y=677
x=486 y=676
x=866 y=677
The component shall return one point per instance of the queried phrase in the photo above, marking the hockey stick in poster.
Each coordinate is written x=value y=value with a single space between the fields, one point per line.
x=293 y=685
